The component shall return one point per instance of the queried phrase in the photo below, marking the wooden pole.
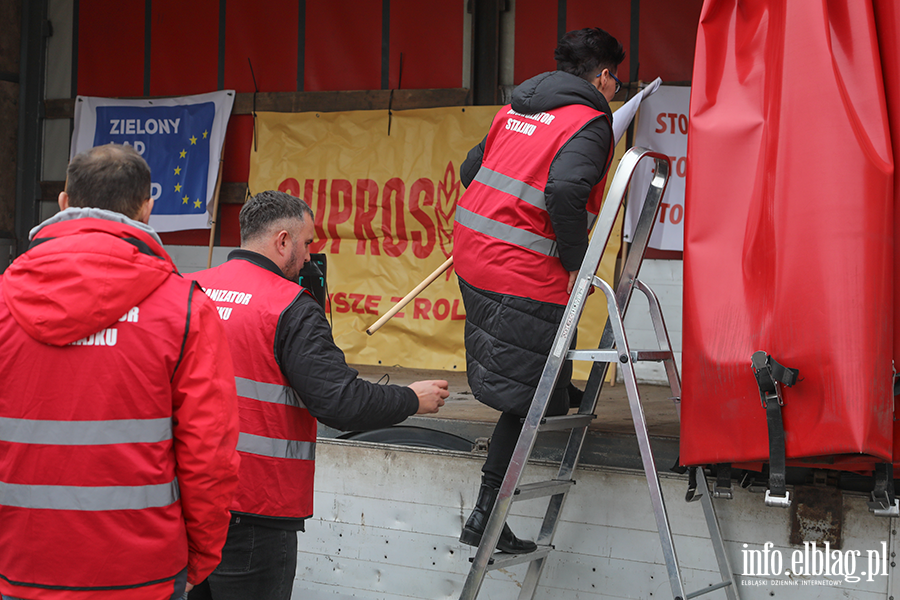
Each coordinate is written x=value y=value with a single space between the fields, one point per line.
x=215 y=212
x=406 y=299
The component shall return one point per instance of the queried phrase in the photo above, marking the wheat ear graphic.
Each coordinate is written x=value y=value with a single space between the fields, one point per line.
x=448 y=194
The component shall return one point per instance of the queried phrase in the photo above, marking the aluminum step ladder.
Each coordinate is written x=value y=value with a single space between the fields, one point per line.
x=613 y=348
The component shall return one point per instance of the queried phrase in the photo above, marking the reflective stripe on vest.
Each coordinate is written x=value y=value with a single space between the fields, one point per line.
x=69 y=497
x=85 y=433
x=276 y=448
x=505 y=233
x=513 y=187
x=277 y=431
x=267 y=392
x=519 y=189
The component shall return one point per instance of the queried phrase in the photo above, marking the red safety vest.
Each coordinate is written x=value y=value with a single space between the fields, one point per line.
x=278 y=435
x=88 y=495
x=503 y=239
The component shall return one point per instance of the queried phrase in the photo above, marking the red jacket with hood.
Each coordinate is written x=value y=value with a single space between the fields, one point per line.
x=118 y=416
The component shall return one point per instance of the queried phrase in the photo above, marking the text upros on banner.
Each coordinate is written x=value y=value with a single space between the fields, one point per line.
x=384 y=207
x=180 y=138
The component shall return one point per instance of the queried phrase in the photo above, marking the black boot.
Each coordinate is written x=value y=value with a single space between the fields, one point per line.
x=474 y=527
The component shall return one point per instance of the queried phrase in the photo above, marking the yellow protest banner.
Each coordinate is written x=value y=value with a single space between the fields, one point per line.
x=384 y=189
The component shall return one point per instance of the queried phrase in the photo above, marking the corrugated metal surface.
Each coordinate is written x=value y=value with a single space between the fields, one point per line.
x=387 y=521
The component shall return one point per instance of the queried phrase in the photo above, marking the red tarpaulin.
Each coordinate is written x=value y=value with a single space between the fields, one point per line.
x=790 y=227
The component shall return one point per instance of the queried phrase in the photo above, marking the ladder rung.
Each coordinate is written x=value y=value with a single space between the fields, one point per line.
x=707 y=590
x=651 y=355
x=566 y=422
x=500 y=560
x=542 y=489
x=609 y=356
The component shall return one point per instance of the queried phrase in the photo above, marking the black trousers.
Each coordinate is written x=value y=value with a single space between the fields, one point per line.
x=506 y=434
x=257 y=562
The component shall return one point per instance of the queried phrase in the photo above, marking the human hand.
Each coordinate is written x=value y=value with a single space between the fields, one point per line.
x=431 y=395
x=573 y=275
x=188 y=588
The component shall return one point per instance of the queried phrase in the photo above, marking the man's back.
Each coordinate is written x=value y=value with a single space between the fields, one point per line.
x=100 y=413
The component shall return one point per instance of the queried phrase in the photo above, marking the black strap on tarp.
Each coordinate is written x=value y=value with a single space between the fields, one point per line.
x=691 y=494
x=882 y=496
x=723 y=481
x=769 y=374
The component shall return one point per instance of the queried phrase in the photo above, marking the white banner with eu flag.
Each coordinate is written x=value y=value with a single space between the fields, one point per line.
x=180 y=138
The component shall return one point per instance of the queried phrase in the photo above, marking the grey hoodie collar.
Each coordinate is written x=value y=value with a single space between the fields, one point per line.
x=72 y=213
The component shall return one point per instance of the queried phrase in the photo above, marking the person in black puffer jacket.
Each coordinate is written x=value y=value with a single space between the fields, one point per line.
x=520 y=235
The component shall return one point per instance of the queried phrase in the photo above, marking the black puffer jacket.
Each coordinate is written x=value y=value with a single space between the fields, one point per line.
x=508 y=338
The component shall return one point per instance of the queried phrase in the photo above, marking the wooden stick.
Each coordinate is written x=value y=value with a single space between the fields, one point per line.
x=215 y=210
x=406 y=299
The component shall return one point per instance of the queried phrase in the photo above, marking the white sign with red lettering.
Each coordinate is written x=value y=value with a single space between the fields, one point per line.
x=662 y=126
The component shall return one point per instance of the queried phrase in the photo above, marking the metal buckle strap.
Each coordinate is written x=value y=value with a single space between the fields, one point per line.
x=882 y=497
x=769 y=374
x=777 y=494
x=723 y=482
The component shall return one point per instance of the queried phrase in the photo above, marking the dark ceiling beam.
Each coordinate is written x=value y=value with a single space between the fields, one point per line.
x=64 y=108
x=35 y=28
x=486 y=51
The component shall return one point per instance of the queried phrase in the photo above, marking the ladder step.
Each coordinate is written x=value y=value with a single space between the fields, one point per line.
x=542 y=489
x=651 y=355
x=566 y=422
x=500 y=560
x=611 y=356
x=707 y=590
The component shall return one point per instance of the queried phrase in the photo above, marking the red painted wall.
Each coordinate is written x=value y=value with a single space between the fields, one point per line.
x=430 y=36
x=667 y=34
x=184 y=47
x=341 y=50
x=343 y=47
x=110 y=48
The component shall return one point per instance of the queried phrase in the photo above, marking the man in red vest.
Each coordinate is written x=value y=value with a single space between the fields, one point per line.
x=118 y=412
x=534 y=185
x=289 y=374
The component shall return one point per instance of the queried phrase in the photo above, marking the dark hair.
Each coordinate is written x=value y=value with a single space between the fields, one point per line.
x=266 y=208
x=586 y=52
x=113 y=177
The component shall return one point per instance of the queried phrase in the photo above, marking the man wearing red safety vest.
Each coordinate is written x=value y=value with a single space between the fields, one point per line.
x=118 y=412
x=289 y=373
x=534 y=185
